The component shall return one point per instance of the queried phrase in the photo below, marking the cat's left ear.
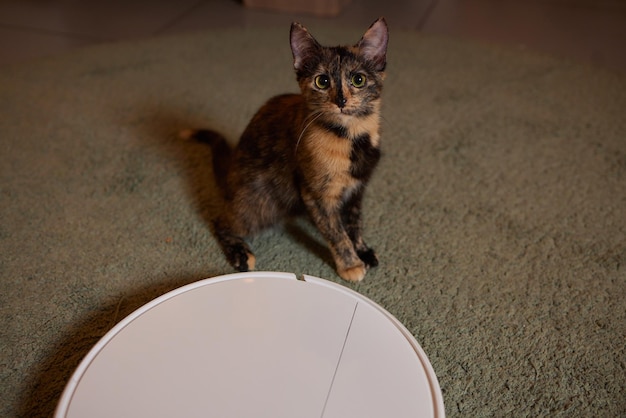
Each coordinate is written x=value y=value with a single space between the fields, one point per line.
x=373 y=45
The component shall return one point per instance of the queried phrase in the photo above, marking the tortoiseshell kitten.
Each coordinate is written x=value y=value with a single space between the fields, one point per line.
x=313 y=151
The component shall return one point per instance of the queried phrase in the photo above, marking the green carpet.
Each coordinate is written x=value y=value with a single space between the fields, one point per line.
x=498 y=210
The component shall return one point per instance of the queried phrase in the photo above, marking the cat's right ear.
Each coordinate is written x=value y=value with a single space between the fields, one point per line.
x=303 y=45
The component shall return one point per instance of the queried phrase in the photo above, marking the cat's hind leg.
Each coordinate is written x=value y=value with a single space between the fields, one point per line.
x=235 y=248
x=251 y=210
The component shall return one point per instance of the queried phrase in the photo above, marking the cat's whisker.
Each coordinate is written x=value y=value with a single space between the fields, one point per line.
x=315 y=115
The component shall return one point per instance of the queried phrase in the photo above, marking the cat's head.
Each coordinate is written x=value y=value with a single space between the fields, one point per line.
x=343 y=81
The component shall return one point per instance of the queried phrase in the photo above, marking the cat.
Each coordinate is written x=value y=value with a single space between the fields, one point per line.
x=312 y=152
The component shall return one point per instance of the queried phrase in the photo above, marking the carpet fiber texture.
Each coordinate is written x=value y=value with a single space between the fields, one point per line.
x=498 y=210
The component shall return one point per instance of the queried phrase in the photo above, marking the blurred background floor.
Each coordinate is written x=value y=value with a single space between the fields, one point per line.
x=581 y=30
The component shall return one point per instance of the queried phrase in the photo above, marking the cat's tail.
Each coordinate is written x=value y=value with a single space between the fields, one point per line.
x=221 y=152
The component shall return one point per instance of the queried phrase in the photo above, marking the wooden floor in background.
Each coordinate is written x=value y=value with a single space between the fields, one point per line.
x=582 y=30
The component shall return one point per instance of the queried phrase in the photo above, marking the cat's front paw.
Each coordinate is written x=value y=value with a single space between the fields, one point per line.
x=353 y=274
x=368 y=256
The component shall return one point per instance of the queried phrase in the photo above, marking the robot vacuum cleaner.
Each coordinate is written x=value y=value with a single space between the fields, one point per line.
x=258 y=344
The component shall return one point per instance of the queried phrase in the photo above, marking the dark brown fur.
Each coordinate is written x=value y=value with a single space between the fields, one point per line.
x=312 y=152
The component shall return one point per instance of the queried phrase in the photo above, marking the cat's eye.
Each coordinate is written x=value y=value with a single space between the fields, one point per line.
x=322 y=82
x=358 y=80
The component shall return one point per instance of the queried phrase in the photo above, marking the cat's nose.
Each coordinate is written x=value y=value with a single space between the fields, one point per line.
x=341 y=102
